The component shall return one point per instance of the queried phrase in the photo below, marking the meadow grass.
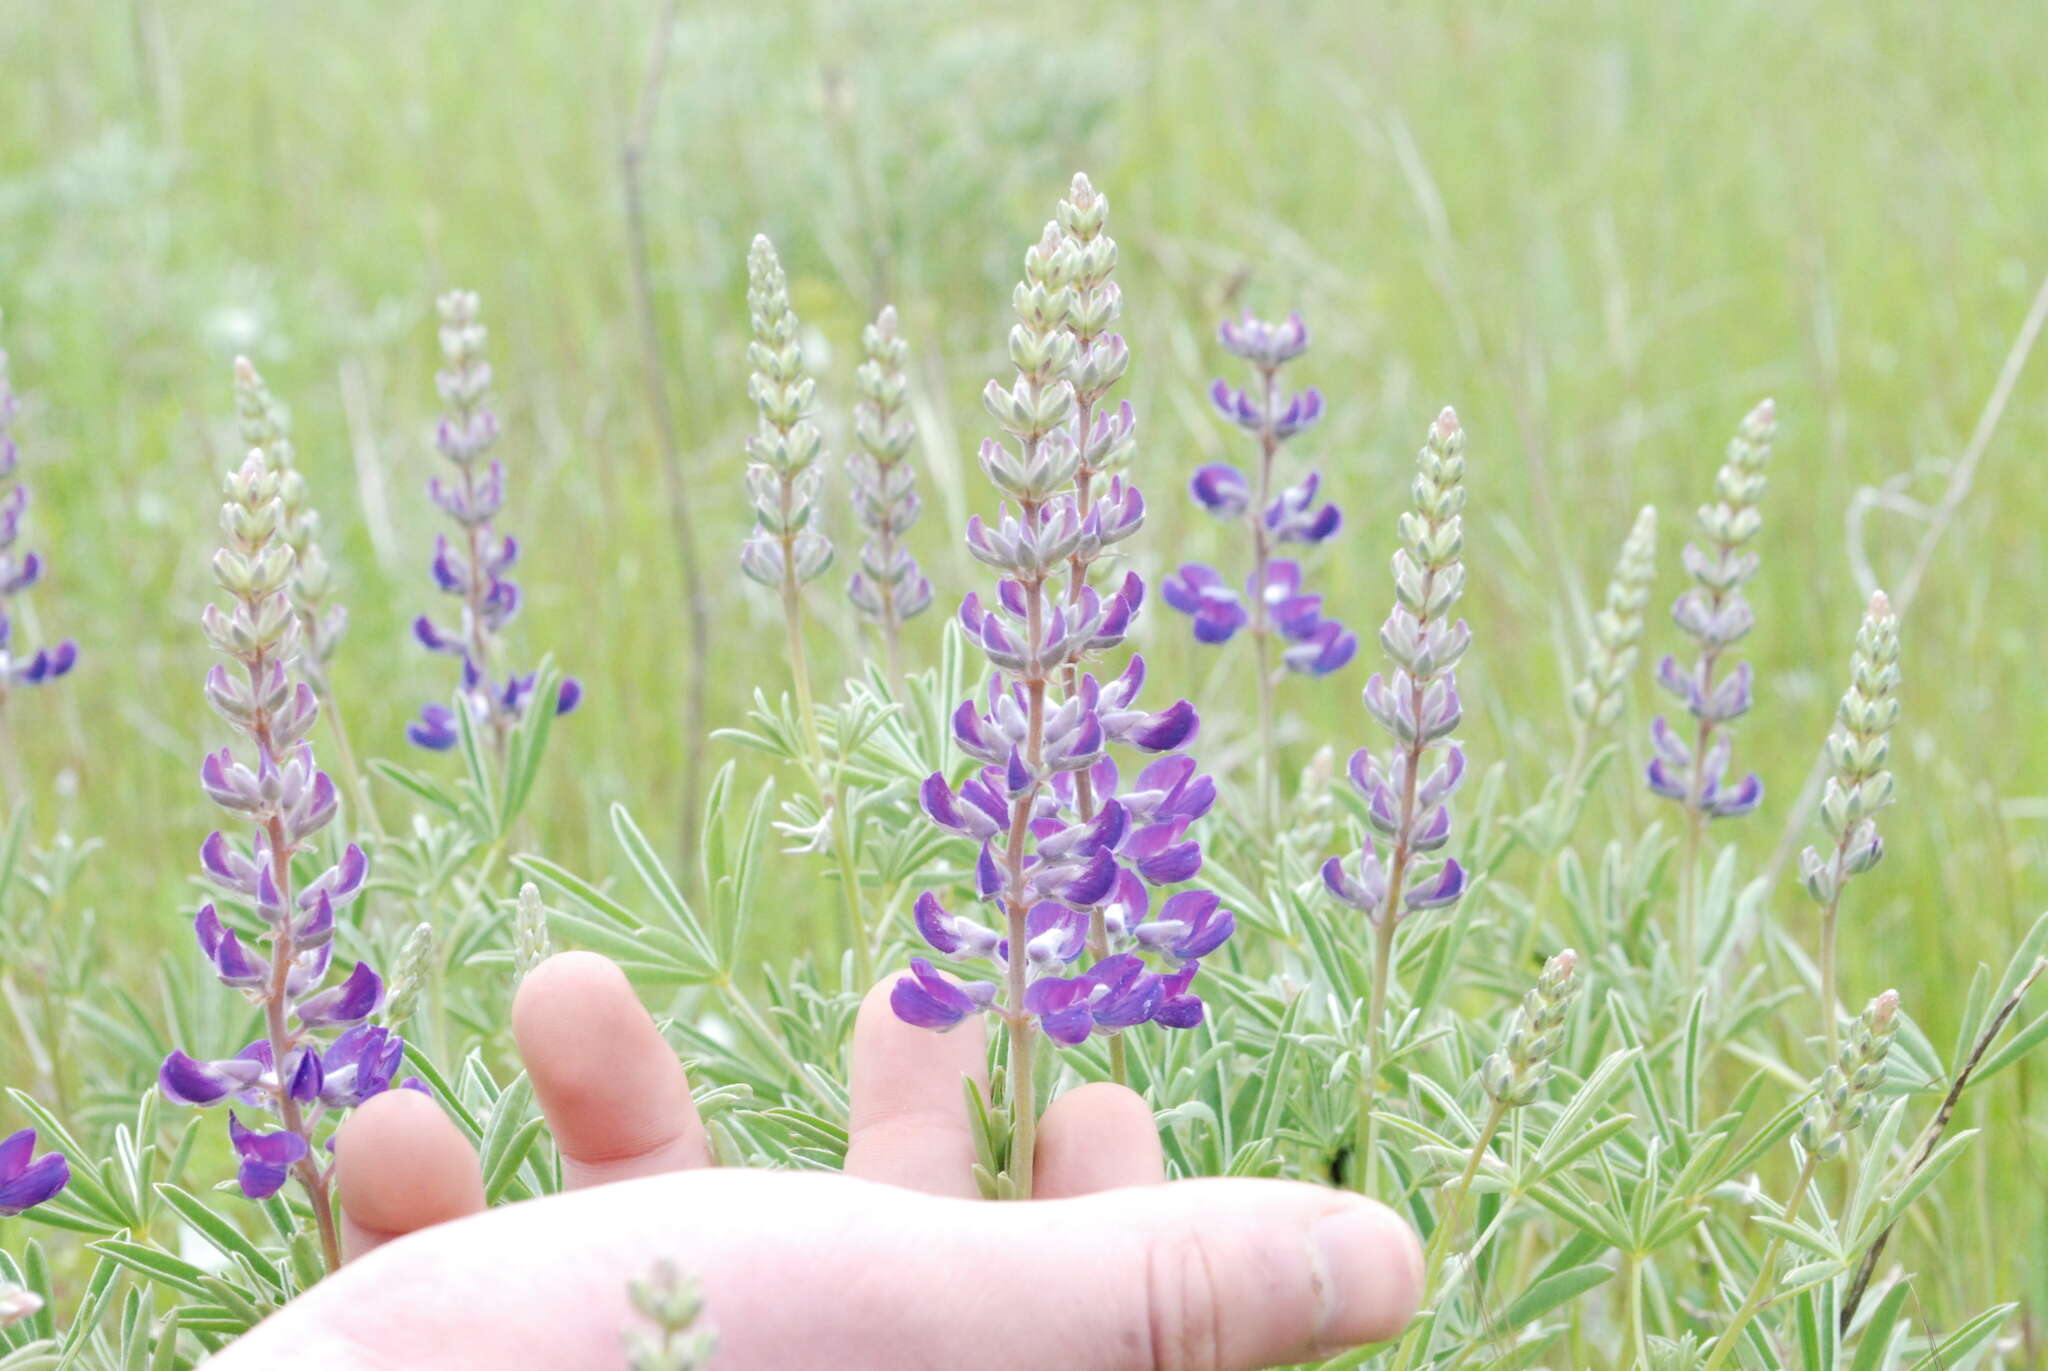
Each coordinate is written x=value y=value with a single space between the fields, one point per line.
x=1601 y=230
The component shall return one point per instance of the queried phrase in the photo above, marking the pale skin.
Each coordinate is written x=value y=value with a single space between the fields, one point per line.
x=894 y=1265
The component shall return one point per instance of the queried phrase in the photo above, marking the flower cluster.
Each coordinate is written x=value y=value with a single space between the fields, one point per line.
x=1514 y=1075
x=319 y=1053
x=1070 y=854
x=784 y=477
x=473 y=567
x=678 y=1340
x=19 y=571
x=1618 y=628
x=1273 y=601
x=27 y=1180
x=889 y=587
x=1843 y=1099
x=1714 y=613
x=1858 y=748
x=1405 y=796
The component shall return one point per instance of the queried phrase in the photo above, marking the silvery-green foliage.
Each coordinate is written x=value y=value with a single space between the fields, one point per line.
x=1608 y=1176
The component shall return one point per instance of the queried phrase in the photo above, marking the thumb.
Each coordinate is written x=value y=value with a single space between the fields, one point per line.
x=1220 y=1275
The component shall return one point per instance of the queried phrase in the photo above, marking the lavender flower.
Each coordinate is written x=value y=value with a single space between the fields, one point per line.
x=19 y=570
x=1406 y=796
x=786 y=550
x=1858 y=746
x=319 y=1054
x=889 y=588
x=27 y=1180
x=1069 y=853
x=1618 y=628
x=1273 y=604
x=1714 y=612
x=473 y=567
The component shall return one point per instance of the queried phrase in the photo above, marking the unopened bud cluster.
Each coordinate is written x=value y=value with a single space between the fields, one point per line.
x=1618 y=628
x=1715 y=614
x=1857 y=748
x=889 y=587
x=1843 y=1099
x=784 y=479
x=530 y=942
x=1514 y=1076
x=673 y=1304
x=266 y=429
x=1405 y=796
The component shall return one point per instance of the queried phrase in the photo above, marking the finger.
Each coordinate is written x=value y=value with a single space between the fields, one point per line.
x=808 y=1270
x=402 y=1166
x=1096 y=1137
x=909 y=1123
x=614 y=1094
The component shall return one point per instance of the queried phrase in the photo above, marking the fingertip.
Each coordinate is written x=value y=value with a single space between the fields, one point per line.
x=1370 y=1274
x=909 y=1123
x=1099 y=1136
x=402 y=1165
x=615 y=1096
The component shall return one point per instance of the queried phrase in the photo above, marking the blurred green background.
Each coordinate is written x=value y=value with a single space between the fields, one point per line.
x=1602 y=230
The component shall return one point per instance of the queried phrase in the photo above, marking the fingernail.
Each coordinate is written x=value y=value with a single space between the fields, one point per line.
x=1370 y=1265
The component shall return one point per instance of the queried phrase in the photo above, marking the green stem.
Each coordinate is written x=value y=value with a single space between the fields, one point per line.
x=824 y=779
x=1364 y=1164
x=1759 y=1292
x=1451 y=1221
x=1828 y=992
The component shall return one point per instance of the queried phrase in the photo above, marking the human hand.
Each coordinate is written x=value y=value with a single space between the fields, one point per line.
x=895 y=1265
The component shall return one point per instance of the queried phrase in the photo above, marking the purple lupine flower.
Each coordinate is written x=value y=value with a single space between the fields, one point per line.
x=1068 y=852
x=296 y=1072
x=473 y=567
x=1273 y=605
x=27 y=1180
x=889 y=587
x=19 y=570
x=1715 y=613
x=1406 y=792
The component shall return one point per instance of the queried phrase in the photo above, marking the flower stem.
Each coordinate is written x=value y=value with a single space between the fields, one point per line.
x=1448 y=1223
x=823 y=778
x=1261 y=626
x=1759 y=1293
x=1364 y=1165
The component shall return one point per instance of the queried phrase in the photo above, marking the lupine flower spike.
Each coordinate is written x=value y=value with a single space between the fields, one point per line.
x=266 y=428
x=787 y=550
x=1063 y=865
x=1858 y=747
x=27 y=1180
x=1275 y=607
x=1407 y=792
x=889 y=588
x=319 y=1053
x=474 y=566
x=19 y=569
x=1713 y=611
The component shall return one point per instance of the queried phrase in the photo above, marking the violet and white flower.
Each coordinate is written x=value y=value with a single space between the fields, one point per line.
x=473 y=567
x=27 y=1180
